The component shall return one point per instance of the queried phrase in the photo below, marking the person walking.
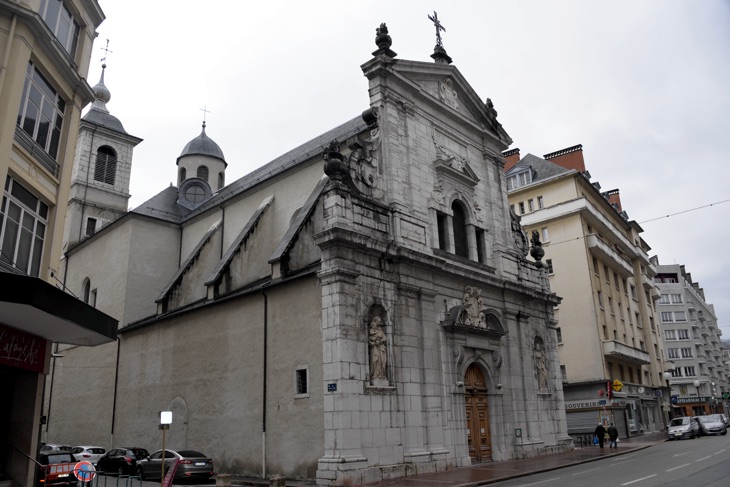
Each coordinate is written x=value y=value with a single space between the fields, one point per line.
x=600 y=433
x=612 y=436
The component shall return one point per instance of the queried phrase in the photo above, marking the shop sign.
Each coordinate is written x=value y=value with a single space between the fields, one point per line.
x=22 y=350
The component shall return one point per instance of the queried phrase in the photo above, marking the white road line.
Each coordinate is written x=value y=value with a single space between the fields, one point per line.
x=639 y=480
x=721 y=451
x=586 y=471
x=540 y=482
x=680 y=454
x=703 y=458
x=675 y=468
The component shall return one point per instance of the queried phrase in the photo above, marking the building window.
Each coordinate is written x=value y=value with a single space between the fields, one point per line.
x=595 y=267
x=86 y=290
x=90 y=226
x=642 y=346
x=540 y=203
x=549 y=265
x=58 y=18
x=183 y=175
x=670 y=335
x=673 y=352
x=530 y=205
x=680 y=316
x=633 y=292
x=664 y=299
x=481 y=253
x=301 y=377
x=106 y=165
x=195 y=193
x=24 y=218
x=442 y=221
x=518 y=180
x=676 y=298
x=686 y=352
x=683 y=334
x=221 y=180
x=203 y=172
x=689 y=371
x=676 y=372
x=563 y=373
x=522 y=207
x=545 y=234
x=600 y=299
x=459 y=220
x=605 y=273
x=41 y=111
x=559 y=334
x=616 y=282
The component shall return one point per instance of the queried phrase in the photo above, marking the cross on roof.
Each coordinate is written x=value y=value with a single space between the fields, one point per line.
x=435 y=19
x=106 y=51
x=205 y=112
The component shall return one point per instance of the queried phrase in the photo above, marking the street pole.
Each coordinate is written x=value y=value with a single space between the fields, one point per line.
x=162 y=469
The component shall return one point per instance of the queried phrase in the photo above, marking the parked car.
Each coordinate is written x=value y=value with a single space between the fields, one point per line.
x=683 y=427
x=193 y=464
x=55 y=468
x=122 y=461
x=53 y=447
x=712 y=424
x=725 y=420
x=87 y=453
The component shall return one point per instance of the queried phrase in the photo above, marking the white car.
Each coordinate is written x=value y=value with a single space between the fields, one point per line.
x=87 y=453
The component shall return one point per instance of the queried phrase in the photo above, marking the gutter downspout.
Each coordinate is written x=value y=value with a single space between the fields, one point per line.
x=263 y=425
x=116 y=382
x=6 y=55
x=86 y=186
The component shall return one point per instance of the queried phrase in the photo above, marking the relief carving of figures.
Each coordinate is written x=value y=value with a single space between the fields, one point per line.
x=473 y=314
x=478 y=213
x=438 y=192
x=378 y=352
x=518 y=234
x=540 y=359
x=448 y=93
x=451 y=159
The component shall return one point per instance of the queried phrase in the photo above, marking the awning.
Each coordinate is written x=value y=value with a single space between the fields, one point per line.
x=34 y=306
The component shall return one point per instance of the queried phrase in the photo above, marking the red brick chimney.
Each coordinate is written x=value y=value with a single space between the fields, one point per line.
x=511 y=158
x=614 y=198
x=570 y=158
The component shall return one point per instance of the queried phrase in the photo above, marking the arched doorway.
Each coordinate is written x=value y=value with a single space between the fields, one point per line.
x=477 y=415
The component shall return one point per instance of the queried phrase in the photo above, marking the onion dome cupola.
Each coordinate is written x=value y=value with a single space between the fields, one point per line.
x=99 y=114
x=203 y=159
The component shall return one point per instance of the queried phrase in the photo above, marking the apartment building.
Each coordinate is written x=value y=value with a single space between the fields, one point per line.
x=45 y=48
x=597 y=262
x=692 y=337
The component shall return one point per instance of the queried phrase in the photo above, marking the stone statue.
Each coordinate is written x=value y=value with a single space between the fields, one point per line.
x=537 y=252
x=472 y=314
x=540 y=365
x=378 y=353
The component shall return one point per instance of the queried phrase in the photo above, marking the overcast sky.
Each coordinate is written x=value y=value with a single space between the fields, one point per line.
x=643 y=85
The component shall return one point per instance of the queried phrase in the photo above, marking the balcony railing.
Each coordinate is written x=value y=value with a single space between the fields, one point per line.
x=27 y=143
x=625 y=353
x=609 y=255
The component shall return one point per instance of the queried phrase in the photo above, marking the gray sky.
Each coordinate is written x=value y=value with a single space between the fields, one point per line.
x=643 y=85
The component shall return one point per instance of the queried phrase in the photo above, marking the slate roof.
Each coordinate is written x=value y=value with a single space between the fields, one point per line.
x=203 y=145
x=541 y=169
x=163 y=206
x=104 y=119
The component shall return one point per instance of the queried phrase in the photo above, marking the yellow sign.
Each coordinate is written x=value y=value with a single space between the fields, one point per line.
x=617 y=385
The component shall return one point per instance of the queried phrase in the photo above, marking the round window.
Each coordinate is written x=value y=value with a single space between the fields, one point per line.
x=195 y=193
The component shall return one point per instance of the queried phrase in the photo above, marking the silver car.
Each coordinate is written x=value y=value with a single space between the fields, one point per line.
x=712 y=424
x=190 y=464
x=683 y=427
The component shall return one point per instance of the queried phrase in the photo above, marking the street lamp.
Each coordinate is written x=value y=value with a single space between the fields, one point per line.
x=697 y=386
x=668 y=375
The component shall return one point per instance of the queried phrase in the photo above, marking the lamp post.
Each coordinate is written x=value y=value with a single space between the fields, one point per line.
x=697 y=386
x=165 y=420
x=667 y=376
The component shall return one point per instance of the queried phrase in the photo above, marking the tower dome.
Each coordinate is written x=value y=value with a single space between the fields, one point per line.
x=99 y=114
x=204 y=146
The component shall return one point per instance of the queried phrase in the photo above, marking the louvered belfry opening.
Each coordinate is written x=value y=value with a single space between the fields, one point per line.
x=106 y=165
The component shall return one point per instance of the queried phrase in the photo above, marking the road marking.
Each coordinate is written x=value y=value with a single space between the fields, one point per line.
x=540 y=482
x=703 y=458
x=675 y=468
x=721 y=451
x=586 y=471
x=639 y=480
x=680 y=454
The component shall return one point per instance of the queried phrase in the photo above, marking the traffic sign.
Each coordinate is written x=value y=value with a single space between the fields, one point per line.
x=726 y=395
x=84 y=471
x=675 y=399
x=617 y=385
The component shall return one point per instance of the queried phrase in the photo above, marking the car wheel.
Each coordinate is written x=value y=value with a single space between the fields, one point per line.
x=724 y=432
x=140 y=473
x=120 y=471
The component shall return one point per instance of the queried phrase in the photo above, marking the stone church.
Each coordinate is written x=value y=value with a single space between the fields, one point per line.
x=359 y=308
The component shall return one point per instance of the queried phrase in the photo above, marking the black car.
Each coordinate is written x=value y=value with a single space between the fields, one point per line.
x=121 y=461
x=55 y=468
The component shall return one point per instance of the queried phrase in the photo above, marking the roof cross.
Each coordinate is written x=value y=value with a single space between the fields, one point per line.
x=205 y=112
x=106 y=51
x=439 y=28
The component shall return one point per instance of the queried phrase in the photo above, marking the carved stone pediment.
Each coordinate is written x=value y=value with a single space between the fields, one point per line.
x=453 y=166
x=471 y=317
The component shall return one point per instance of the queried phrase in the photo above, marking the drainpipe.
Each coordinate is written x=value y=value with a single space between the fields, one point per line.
x=6 y=55
x=263 y=414
x=116 y=382
x=86 y=187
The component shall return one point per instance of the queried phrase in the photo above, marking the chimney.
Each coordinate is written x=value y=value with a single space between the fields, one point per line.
x=570 y=158
x=614 y=198
x=511 y=158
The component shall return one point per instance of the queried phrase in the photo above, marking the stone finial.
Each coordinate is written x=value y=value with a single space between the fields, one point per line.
x=383 y=41
x=537 y=252
x=334 y=164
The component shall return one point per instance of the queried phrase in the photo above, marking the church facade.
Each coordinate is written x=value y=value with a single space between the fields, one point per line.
x=358 y=309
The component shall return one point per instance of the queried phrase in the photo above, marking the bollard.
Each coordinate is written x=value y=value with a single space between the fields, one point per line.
x=277 y=481
x=223 y=480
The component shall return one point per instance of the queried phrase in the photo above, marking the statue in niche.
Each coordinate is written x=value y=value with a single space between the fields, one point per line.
x=540 y=359
x=378 y=353
x=472 y=314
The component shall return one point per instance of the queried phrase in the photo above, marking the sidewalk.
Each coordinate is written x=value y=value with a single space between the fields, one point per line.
x=488 y=473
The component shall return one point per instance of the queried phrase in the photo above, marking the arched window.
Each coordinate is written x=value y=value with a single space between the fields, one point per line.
x=203 y=172
x=183 y=175
x=221 y=180
x=106 y=165
x=87 y=290
x=460 y=241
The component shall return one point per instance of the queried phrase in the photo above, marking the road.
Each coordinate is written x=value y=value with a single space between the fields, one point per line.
x=700 y=462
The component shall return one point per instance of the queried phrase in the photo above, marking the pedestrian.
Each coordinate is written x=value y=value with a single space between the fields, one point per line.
x=612 y=436
x=600 y=433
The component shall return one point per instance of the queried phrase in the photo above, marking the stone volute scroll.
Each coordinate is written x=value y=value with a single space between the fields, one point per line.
x=540 y=359
x=378 y=352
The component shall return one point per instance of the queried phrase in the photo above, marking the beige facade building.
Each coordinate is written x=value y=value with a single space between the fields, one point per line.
x=597 y=262
x=45 y=46
x=359 y=308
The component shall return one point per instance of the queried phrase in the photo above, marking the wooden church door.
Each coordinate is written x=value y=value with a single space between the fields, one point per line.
x=477 y=415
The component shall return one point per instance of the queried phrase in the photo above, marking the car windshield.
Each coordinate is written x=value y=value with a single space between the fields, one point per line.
x=679 y=422
x=190 y=454
x=60 y=458
x=709 y=419
x=715 y=417
x=139 y=452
